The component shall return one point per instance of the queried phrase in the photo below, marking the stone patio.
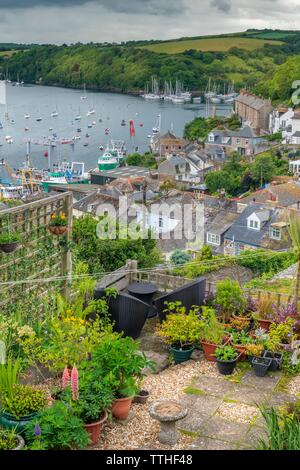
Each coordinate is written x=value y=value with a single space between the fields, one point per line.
x=223 y=411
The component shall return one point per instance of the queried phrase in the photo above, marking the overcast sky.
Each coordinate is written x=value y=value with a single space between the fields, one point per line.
x=59 y=21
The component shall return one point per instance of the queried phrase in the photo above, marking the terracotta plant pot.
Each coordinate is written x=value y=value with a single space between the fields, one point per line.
x=121 y=407
x=58 y=230
x=94 y=429
x=209 y=349
x=265 y=324
x=9 y=247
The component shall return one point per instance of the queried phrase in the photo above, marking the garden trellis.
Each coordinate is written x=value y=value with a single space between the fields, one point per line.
x=40 y=254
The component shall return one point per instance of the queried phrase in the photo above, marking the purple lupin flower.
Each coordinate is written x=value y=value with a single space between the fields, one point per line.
x=37 y=430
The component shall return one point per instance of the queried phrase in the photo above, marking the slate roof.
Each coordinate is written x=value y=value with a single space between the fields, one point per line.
x=241 y=233
x=222 y=222
x=296 y=134
x=287 y=194
x=252 y=101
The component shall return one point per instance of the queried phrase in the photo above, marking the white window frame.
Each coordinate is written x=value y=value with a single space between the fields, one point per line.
x=213 y=238
x=253 y=224
x=211 y=138
x=274 y=230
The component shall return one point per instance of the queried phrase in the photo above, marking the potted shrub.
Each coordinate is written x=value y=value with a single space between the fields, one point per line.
x=19 y=403
x=181 y=331
x=89 y=398
x=226 y=359
x=260 y=365
x=58 y=224
x=118 y=362
x=9 y=440
x=230 y=298
x=239 y=341
x=240 y=323
x=9 y=241
x=252 y=350
x=212 y=333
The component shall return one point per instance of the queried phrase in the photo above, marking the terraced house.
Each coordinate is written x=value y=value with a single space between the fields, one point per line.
x=245 y=141
x=254 y=110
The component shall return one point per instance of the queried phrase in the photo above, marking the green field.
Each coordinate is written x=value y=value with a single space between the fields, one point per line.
x=7 y=53
x=221 y=44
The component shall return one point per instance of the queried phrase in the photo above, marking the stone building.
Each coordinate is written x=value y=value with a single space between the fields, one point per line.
x=254 y=110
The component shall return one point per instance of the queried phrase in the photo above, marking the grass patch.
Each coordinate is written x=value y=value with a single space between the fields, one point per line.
x=189 y=433
x=193 y=391
x=283 y=383
x=229 y=400
x=241 y=368
x=209 y=45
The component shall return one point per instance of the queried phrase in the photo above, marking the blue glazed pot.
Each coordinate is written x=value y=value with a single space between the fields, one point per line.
x=181 y=355
x=8 y=421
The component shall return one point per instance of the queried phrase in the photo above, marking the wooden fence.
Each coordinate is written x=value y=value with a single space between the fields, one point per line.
x=39 y=255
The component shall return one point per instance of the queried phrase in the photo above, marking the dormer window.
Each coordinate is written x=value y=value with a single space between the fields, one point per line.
x=211 y=138
x=275 y=233
x=253 y=222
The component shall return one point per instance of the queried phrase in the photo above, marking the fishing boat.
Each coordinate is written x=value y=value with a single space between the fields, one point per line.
x=64 y=173
x=107 y=161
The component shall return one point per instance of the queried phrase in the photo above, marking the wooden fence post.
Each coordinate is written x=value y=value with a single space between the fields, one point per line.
x=67 y=255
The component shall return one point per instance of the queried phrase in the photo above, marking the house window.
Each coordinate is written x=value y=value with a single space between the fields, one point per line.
x=275 y=233
x=211 y=138
x=161 y=222
x=213 y=239
x=253 y=224
x=237 y=141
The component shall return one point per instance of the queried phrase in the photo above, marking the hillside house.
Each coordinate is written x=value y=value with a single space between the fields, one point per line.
x=167 y=144
x=258 y=226
x=243 y=141
x=281 y=121
x=254 y=111
x=191 y=168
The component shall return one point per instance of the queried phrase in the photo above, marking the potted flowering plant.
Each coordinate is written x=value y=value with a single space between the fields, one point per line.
x=181 y=331
x=9 y=241
x=89 y=399
x=58 y=223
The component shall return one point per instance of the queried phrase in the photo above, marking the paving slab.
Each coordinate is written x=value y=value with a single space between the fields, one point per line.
x=253 y=436
x=214 y=386
x=281 y=398
x=201 y=408
x=267 y=383
x=206 y=443
x=224 y=429
x=249 y=395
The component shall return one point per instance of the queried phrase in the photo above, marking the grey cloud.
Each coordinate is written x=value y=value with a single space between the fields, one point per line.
x=222 y=5
x=152 y=7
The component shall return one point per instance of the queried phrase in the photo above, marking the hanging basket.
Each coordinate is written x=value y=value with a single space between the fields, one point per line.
x=9 y=247
x=58 y=230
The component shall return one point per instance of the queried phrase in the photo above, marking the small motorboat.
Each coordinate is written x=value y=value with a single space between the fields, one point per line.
x=12 y=121
x=94 y=123
x=26 y=129
x=26 y=116
x=79 y=130
x=54 y=114
x=90 y=126
x=50 y=129
x=77 y=118
x=101 y=147
x=39 y=119
x=46 y=154
x=141 y=124
x=100 y=120
x=86 y=144
x=123 y=123
x=87 y=135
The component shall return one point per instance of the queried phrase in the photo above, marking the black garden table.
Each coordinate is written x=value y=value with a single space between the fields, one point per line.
x=144 y=291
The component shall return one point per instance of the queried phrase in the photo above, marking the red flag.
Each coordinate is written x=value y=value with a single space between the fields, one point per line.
x=132 y=129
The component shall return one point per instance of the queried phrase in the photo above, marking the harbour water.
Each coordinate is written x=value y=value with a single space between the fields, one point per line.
x=110 y=109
